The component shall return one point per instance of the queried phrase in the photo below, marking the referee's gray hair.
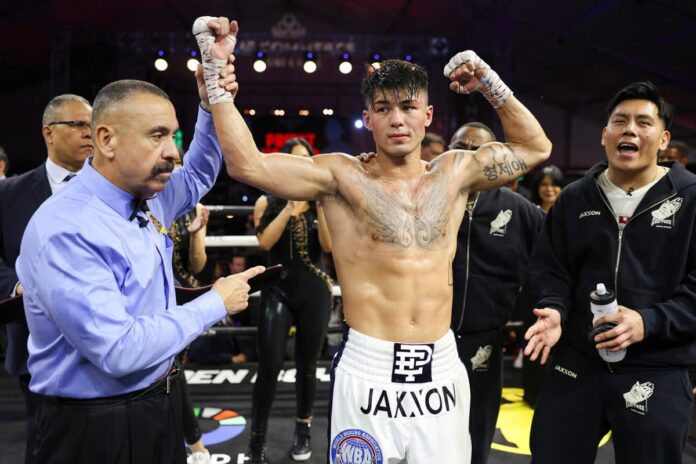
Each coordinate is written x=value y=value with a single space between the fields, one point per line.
x=118 y=91
x=51 y=110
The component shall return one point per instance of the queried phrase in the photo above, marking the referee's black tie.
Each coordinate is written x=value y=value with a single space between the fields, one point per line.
x=139 y=205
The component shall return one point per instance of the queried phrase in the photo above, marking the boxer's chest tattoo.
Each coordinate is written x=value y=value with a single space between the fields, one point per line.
x=407 y=216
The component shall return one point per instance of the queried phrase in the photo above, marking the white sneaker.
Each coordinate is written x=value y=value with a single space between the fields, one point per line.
x=199 y=458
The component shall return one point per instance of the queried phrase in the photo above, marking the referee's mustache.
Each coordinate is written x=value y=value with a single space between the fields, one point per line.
x=166 y=167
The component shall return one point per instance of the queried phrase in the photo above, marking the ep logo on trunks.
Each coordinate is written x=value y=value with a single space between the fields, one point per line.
x=412 y=363
x=353 y=446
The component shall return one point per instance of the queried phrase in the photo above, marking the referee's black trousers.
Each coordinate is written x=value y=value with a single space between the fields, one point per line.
x=140 y=428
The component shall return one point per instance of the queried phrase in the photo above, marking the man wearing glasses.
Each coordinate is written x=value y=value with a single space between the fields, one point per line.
x=66 y=131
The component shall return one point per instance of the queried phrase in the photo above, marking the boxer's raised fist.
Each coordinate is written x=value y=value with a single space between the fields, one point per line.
x=468 y=73
x=217 y=36
x=216 y=39
x=466 y=69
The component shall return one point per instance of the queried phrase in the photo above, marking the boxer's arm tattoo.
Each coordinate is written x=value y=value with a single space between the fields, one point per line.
x=498 y=160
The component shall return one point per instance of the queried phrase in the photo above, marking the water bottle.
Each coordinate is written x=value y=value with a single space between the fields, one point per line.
x=603 y=303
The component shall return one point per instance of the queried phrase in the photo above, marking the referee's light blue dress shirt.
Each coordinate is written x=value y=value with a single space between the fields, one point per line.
x=98 y=288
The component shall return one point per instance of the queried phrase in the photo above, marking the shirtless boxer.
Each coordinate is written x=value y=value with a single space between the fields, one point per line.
x=399 y=391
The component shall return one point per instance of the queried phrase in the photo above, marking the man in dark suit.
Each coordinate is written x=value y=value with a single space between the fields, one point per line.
x=66 y=131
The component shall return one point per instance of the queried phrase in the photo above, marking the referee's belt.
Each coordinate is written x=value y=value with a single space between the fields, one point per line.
x=160 y=387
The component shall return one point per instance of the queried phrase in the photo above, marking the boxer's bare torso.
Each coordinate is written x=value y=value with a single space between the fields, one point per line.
x=394 y=240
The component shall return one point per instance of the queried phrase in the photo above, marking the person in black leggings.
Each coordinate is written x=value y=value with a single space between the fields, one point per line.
x=294 y=233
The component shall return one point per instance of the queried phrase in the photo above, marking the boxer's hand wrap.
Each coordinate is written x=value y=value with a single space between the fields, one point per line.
x=490 y=85
x=211 y=66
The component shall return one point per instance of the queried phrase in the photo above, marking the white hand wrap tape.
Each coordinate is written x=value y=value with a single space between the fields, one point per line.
x=211 y=66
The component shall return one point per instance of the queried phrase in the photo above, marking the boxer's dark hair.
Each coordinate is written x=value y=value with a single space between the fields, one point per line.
x=118 y=91
x=394 y=76
x=645 y=90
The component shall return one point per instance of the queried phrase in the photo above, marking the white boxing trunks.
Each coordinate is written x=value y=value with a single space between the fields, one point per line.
x=398 y=402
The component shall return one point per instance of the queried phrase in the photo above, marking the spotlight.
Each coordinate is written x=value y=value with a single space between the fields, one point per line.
x=278 y=112
x=408 y=57
x=161 y=62
x=192 y=62
x=327 y=112
x=358 y=124
x=375 y=60
x=303 y=112
x=260 y=62
x=310 y=64
x=345 y=67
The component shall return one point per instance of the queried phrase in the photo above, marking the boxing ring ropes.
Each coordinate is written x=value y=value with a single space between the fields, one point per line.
x=224 y=241
x=246 y=241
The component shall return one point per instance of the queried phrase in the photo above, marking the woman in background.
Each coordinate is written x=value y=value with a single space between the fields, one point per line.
x=294 y=233
x=189 y=257
x=548 y=186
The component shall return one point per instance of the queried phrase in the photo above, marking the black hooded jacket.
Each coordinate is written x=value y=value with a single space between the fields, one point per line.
x=650 y=264
x=494 y=247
